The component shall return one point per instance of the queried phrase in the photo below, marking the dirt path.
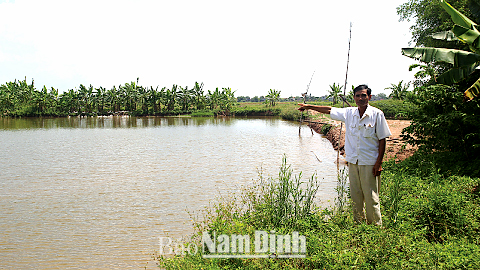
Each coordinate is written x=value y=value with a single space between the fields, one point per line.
x=396 y=148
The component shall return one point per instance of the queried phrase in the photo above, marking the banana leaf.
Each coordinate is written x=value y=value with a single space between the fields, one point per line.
x=457 y=58
x=457 y=17
x=456 y=75
x=473 y=91
x=444 y=35
x=471 y=37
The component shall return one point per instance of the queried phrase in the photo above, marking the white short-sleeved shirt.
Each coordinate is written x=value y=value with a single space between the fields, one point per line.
x=362 y=134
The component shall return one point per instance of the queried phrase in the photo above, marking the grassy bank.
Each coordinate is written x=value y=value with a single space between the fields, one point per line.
x=431 y=221
x=393 y=109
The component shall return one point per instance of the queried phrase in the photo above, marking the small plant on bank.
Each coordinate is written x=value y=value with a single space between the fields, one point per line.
x=325 y=128
x=430 y=222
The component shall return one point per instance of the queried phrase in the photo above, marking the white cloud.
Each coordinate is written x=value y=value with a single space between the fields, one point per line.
x=250 y=46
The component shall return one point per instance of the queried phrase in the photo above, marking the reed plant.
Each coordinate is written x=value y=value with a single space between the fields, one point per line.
x=431 y=221
x=343 y=193
x=285 y=200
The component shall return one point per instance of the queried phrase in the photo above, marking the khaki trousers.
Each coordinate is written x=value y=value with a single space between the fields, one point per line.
x=364 y=190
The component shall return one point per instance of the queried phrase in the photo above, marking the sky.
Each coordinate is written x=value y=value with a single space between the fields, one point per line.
x=249 y=46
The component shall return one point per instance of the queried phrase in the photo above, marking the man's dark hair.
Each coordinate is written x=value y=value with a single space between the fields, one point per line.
x=362 y=87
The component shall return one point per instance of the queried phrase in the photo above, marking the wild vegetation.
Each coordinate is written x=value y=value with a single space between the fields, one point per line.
x=431 y=221
x=19 y=98
x=430 y=201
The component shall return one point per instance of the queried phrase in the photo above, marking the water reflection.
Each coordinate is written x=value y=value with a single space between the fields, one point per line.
x=96 y=193
x=114 y=122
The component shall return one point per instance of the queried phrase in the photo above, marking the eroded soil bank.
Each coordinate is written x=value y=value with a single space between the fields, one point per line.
x=396 y=148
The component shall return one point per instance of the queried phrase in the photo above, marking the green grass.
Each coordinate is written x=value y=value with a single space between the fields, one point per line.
x=394 y=109
x=203 y=114
x=431 y=221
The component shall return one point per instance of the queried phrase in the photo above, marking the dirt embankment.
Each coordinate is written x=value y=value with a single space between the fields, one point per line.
x=396 y=148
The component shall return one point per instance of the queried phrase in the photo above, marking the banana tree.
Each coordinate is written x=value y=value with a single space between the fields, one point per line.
x=169 y=98
x=185 y=97
x=227 y=99
x=199 y=97
x=213 y=98
x=464 y=62
x=334 y=93
x=399 y=91
x=272 y=98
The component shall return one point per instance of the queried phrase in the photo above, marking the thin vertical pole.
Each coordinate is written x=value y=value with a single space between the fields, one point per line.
x=344 y=94
x=304 y=102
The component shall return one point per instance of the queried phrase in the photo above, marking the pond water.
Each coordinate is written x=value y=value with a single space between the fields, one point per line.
x=97 y=193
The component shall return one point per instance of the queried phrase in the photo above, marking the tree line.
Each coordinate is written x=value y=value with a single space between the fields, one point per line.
x=19 y=98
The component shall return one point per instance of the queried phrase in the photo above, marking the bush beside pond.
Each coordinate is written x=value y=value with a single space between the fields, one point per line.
x=431 y=221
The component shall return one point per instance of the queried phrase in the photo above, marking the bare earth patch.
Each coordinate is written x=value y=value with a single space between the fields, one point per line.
x=396 y=148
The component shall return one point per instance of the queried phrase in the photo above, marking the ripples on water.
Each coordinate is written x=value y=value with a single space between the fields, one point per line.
x=98 y=192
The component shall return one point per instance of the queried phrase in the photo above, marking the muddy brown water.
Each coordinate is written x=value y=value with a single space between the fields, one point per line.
x=97 y=193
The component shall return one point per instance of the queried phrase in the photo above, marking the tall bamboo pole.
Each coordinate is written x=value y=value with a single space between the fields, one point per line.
x=344 y=93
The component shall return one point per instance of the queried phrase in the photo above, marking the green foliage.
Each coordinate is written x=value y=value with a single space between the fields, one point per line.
x=202 y=114
x=292 y=114
x=443 y=122
x=281 y=202
x=439 y=206
x=429 y=17
x=272 y=98
x=334 y=92
x=325 y=128
x=394 y=109
x=431 y=221
x=425 y=75
x=399 y=91
x=458 y=64
x=19 y=98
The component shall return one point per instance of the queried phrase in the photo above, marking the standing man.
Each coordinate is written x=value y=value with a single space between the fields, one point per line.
x=366 y=131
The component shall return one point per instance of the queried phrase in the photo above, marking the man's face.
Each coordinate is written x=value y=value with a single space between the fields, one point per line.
x=361 y=98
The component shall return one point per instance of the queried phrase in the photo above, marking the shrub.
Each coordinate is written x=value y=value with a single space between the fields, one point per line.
x=325 y=128
x=394 y=109
x=443 y=122
x=291 y=114
x=203 y=114
x=431 y=222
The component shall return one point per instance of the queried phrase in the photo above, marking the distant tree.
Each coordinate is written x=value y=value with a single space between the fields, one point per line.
x=198 y=96
x=272 y=98
x=227 y=99
x=242 y=98
x=381 y=96
x=399 y=91
x=334 y=92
